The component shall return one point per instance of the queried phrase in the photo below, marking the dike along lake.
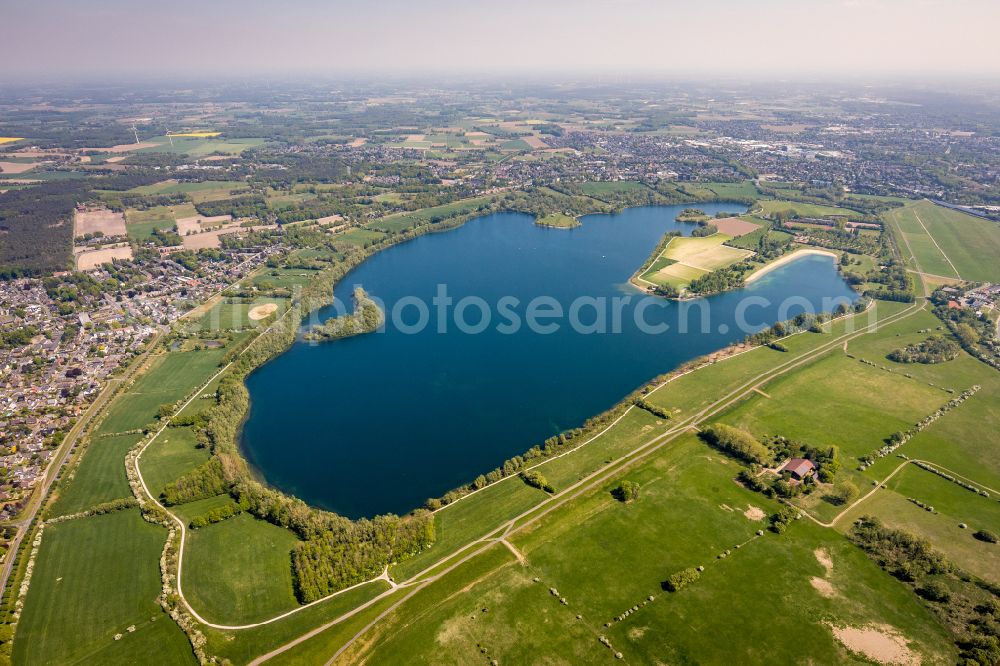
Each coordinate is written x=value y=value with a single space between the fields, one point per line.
x=380 y=422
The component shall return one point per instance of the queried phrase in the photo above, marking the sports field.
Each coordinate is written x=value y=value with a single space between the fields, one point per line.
x=947 y=243
x=236 y=313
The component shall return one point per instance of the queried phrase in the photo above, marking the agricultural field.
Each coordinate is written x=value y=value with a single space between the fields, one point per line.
x=198 y=146
x=744 y=190
x=87 y=259
x=209 y=190
x=103 y=221
x=402 y=221
x=100 y=576
x=170 y=377
x=100 y=476
x=688 y=258
x=947 y=243
x=597 y=189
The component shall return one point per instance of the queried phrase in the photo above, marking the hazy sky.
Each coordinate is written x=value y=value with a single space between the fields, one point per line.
x=852 y=37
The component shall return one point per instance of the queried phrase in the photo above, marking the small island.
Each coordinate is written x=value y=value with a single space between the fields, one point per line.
x=692 y=216
x=366 y=318
x=558 y=221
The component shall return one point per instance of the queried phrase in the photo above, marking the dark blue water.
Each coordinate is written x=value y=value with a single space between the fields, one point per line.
x=380 y=422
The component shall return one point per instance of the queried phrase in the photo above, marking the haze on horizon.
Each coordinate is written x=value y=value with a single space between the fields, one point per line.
x=62 y=38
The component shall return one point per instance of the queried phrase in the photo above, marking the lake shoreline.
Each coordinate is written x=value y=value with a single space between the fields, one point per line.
x=259 y=457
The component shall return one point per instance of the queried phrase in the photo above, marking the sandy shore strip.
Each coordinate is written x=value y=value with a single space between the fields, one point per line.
x=787 y=259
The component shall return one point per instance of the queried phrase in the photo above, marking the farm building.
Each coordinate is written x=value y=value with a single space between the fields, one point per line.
x=799 y=468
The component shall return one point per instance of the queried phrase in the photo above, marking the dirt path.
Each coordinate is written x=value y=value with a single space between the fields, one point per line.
x=881 y=483
x=517 y=553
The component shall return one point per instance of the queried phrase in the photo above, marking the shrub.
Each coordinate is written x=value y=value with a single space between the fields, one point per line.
x=984 y=535
x=681 y=579
x=536 y=480
x=934 y=591
x=844 y=492
x=783 y=518
x=626 y=491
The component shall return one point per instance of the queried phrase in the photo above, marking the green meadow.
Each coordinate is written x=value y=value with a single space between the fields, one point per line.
x=770 y=206
x=97 y=577
x=605 y=557
x=946 y=242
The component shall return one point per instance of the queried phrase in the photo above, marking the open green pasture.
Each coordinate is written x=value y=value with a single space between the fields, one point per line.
x=94 y=578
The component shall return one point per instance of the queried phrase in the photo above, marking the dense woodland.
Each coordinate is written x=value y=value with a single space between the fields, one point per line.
x=36 y=228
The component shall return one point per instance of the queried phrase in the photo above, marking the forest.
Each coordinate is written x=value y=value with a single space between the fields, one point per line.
x=36 y=228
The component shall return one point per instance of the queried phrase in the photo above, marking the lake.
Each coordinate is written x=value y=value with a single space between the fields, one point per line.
x=380 y=422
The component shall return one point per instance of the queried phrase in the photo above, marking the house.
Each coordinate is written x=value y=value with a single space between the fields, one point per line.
x=799 y=468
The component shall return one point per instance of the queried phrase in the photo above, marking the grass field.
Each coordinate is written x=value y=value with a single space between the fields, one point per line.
x=100 y=476
x=953 y=505
x=234 y=313
x=141 y=223
x=173 y=454
x=171 y=377
x=239 y=570
x=242 y=646
x=94 y=578
x=946 y=242
x=558 y=221
x=689 y=511
x=769 y=206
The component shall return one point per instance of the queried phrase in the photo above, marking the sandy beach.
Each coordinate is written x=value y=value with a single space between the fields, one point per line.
x=787 y=259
